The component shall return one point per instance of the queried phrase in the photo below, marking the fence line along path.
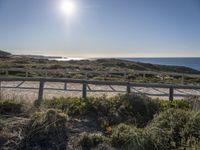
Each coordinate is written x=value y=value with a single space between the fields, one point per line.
x=86 y=86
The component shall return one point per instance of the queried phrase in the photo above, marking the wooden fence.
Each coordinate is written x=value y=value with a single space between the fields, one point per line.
x=85 y=83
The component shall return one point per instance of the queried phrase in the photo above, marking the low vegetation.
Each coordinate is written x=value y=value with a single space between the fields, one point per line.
x=110 y=111
x=10 y=107
x=46 y=130
x=122 y=122
x=86 y=69
x=93 y=140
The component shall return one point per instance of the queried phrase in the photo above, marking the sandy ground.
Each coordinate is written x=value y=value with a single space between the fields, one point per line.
x=74 y=90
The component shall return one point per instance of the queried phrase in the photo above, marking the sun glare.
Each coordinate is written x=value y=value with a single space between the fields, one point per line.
x=68 y=7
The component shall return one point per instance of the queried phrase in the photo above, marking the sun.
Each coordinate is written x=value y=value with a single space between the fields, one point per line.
x=68 y=7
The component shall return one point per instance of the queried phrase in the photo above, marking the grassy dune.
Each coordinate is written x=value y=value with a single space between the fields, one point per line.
x=89 y=65
x=122 y=122
x=113 y=65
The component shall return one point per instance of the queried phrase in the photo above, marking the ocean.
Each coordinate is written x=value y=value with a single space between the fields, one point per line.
x=187 y=62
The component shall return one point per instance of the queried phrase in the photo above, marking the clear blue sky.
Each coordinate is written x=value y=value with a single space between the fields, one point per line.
x=102 y=28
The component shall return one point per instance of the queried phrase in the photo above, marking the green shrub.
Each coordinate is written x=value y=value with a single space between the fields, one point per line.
x=160 y=138
x=137 y=109
x=91 y=140
x=171 y=129
x=128 y=137
x=46 y=130
x=192 y=130
x=101 y=105
x=176 y=128
x=71 y=106
x=110 y=111
x=195 y=102
x=10 y=108
x=124 y=108
x=172 y=122
x=179 y=104
x=162 y=134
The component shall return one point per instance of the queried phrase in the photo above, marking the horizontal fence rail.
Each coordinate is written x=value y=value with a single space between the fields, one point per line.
x=86 y=88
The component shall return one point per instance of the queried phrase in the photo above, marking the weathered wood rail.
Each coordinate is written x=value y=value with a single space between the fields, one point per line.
x=46 y=72
x=85 y=85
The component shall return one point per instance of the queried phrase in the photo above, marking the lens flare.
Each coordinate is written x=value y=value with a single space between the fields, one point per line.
x=68 y=7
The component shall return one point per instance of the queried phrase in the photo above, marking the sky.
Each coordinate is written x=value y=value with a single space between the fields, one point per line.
x=101 y=28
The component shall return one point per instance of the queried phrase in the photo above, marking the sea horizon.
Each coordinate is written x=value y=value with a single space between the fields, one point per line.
x=191 y=62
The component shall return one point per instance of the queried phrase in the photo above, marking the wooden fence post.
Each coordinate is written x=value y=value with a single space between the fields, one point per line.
x=144 y=76
x=0 y=91
x=171 y=94
x=84 y=94
x=26 y=73
x=128 y=88
x=41 y=91
x=65 y=73
x=65 y=86
x=7 y=72
x=105 y=75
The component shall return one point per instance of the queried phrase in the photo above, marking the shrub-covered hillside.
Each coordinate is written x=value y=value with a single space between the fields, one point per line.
x=90 y=65
x=124 y=122
x=93 y=70
x=4 y=54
